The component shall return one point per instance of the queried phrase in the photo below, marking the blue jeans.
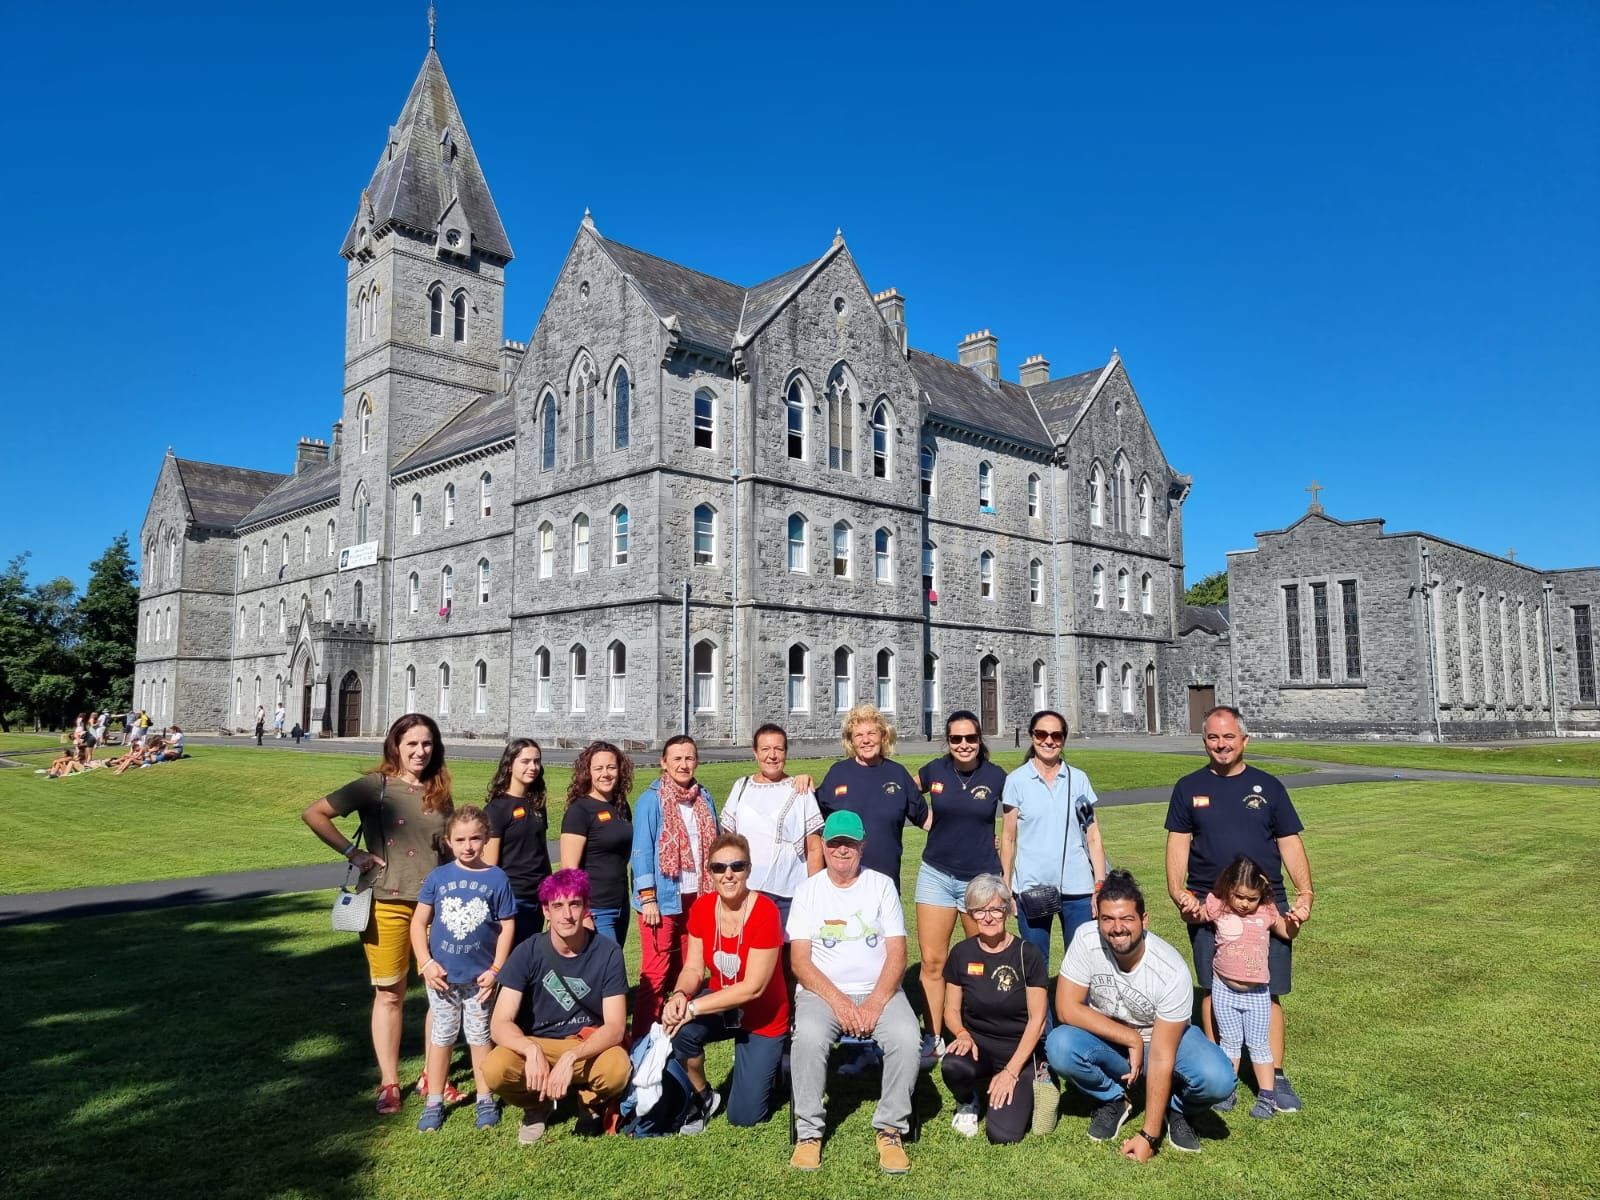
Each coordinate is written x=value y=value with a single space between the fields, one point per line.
x=1201 y=1076
x=755 y=1065
x=1075 y=910
x=611 y=923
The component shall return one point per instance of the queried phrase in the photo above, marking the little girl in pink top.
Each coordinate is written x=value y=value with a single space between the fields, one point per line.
x=1241 y=907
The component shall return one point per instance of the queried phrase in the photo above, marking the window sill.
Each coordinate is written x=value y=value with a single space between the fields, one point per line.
x=1324 y=686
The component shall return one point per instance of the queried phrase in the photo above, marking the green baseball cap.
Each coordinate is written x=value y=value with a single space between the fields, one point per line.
x=844 y=824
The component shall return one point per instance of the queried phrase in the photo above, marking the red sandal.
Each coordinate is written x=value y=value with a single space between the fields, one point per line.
x=389 y=1102
x=451 y=1093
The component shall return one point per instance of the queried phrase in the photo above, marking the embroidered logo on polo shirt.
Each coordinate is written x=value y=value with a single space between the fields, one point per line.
x=975 y=968
x=981 y=792
x=1255 y=801
x=1201 y=802
x=937 y=787
x=890 y=788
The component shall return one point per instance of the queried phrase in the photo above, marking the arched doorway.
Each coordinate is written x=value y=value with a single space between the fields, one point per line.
x=350 y=705
x=989 y=694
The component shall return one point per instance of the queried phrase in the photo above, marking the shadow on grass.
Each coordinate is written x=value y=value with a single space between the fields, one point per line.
x=204 y=1052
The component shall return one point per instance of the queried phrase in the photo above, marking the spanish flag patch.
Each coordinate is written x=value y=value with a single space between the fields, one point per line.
x=937 y=787
x=518 y=813
x=841 y=789
x=975 y=968
x=1201 y=802
x=603 y=816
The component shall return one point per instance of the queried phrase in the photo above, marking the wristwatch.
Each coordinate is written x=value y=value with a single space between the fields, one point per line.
x=1153 y=1138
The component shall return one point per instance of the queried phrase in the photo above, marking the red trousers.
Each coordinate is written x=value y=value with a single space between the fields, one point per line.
x=661 y=951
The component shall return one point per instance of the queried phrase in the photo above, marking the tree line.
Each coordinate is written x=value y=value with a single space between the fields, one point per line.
x=62 y=653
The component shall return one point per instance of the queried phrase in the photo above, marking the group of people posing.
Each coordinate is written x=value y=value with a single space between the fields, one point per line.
x=776 y=923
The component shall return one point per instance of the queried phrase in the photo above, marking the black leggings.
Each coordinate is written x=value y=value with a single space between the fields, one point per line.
x=966 y=1077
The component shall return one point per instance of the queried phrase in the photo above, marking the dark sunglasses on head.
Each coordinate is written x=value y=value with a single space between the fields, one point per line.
x=1047 y=735
x=722 y=868
x=962 y=739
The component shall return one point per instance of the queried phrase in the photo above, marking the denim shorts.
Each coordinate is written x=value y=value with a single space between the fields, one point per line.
x=940 y=890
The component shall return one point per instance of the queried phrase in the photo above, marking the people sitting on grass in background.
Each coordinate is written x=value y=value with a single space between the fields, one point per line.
x=144 y=754
x=68 y=764
x=461 y=931
x=173 y=749
x=995 y=996
x=560 y=1019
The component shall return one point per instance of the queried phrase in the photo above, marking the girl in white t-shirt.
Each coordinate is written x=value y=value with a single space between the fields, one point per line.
x=779 y=817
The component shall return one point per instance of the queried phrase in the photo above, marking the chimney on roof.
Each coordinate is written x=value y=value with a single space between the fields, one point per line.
x=333 y=450
x=981 y=351
x=310 y=452
x=510 y=359
x=893 y=307
x=1035 y=370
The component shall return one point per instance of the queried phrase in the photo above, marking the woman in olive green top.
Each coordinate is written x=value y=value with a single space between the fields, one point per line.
x=403 y=806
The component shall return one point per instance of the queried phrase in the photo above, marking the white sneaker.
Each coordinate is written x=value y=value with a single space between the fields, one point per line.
x=965 y=1122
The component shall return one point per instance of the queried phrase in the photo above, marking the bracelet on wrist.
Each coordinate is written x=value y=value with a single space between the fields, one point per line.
x=348 y=850
x=426 y=965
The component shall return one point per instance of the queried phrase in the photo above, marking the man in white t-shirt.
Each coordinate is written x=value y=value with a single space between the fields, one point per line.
x=847 y=935
x=1123 y=1000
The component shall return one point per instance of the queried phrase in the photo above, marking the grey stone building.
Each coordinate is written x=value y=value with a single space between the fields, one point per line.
x=681 y=503
x=1339 y=629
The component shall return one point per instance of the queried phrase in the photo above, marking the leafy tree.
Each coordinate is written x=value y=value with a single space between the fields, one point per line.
x=1211 y=590
x=39 y=669
x=15 y=639
x=108 y=627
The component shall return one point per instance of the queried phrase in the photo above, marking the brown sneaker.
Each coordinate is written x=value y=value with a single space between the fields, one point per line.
x=807 y=1154
x=892 y=1158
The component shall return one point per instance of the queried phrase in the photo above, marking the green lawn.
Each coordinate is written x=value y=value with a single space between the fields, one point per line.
x=1443 y=1033
x=236 y=808
x=29 y=741
x=1571 y=758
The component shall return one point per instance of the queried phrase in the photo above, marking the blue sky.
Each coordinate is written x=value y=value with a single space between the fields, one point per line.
x=1359 y=244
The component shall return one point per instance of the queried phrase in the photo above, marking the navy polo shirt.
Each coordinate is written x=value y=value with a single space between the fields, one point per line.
x=1230 y=815
x=884 y=797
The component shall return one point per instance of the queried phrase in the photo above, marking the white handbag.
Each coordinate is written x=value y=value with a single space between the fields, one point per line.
x=352 y=906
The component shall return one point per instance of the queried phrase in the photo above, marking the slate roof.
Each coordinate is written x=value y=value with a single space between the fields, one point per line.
x=1061 y=401
x=488 y=419
x=963 y=395
x=415 y=179
x=221 y=496
x=315 y=485
x=707 y=308
x=1212 y=618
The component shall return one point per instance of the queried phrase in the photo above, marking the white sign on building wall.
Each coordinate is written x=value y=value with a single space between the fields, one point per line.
x=363 y=555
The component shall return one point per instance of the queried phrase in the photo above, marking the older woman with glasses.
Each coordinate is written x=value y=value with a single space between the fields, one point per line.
x=1049 y=842
x=964 y=790
x=994 y=1008
x=735 y=934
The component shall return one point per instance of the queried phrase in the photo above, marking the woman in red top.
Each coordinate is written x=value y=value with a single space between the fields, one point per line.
x=735 y=934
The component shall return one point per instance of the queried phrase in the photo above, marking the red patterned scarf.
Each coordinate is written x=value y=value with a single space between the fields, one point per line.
x=674 y=850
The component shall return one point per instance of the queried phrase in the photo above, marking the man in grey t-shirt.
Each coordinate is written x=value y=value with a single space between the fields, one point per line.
x=1123 y=1000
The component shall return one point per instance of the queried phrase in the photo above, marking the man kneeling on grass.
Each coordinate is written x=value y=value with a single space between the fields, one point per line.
x=1123 y=999
x=559 y=1021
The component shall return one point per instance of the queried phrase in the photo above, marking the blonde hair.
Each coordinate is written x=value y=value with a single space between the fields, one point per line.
x=866 y=712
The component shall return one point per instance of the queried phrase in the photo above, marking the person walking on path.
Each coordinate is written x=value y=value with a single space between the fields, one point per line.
x=277 y=721
x=1224 y=810
x=261 y=723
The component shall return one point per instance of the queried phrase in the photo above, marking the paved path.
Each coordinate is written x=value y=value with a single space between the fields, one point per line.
x=245 y=885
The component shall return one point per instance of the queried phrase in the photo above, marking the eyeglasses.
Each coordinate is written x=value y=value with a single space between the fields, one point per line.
x=989 y=914
x=724 y=868
x=1047 y=735
x=844 y=844
x=962 y=739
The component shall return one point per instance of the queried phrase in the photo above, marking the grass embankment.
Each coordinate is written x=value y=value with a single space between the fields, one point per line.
x=1443 y=1033
x=237 y=808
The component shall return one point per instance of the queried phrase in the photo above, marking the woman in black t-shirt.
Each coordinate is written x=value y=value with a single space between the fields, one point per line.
x=519 y=828
x=994 y=1006
x=597 y=834
x=964 y=790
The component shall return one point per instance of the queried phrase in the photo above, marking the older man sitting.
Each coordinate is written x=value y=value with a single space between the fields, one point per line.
x=847 y=936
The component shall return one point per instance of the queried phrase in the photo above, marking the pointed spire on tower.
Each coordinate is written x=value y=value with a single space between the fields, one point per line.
x=433 y=19
x=428 y=170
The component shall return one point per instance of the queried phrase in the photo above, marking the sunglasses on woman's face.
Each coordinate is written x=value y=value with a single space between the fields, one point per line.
x=962 y=739
x=1047 y=735
x=723 y=868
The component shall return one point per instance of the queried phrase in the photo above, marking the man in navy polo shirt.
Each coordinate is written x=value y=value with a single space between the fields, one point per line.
x=1223 y=810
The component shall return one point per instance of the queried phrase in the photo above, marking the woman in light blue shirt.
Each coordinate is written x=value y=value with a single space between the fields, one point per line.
x=1049 y=836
